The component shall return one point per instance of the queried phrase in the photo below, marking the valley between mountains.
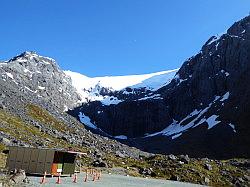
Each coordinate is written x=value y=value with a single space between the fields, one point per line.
x=188 y=124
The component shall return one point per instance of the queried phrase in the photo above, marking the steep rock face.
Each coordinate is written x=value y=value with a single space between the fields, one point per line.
x=40 y=77
x=222 y=66
x=130 y=118
x=208 y=98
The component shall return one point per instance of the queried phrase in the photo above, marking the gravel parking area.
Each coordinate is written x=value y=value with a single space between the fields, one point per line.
x=110 y=181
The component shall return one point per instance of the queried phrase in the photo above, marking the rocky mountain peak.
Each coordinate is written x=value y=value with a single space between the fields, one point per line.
x=28 y=53
x=240 y=28
x=33 y=62
x=32 y=55
x=40 y=76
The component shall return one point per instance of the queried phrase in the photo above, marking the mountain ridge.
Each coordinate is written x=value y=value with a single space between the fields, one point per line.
x=92 y=89
x=199 y=101
x=34 y=95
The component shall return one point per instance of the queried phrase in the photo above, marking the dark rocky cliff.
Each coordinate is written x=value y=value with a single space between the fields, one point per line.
x=212 y=85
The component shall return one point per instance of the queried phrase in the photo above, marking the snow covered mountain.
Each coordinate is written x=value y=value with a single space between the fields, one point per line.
x=101 y=88
x=201 y=109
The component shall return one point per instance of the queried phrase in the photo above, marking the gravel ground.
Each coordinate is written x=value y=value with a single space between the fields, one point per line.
x=110 y=181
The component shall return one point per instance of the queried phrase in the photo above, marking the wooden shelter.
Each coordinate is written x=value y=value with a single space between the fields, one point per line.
x=40 y=160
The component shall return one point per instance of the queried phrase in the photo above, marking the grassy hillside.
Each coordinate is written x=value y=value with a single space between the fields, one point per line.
x=223 y=173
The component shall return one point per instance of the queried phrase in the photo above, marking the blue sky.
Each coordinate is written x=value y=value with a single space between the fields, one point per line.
x=114 y=37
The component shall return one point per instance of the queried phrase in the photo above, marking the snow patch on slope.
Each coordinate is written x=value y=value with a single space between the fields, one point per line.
x=211 y=121
x=176 y=136
x=86 y=120
x=9 y=75
x=110 y=100
x=41 y=87
x=90 y=88
x=232 y=126
x=121 y=137
x=152 y=81
x=176 y=128
x=155 y=81
x=225 y=97
x=155 y=96
x=214 y=39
